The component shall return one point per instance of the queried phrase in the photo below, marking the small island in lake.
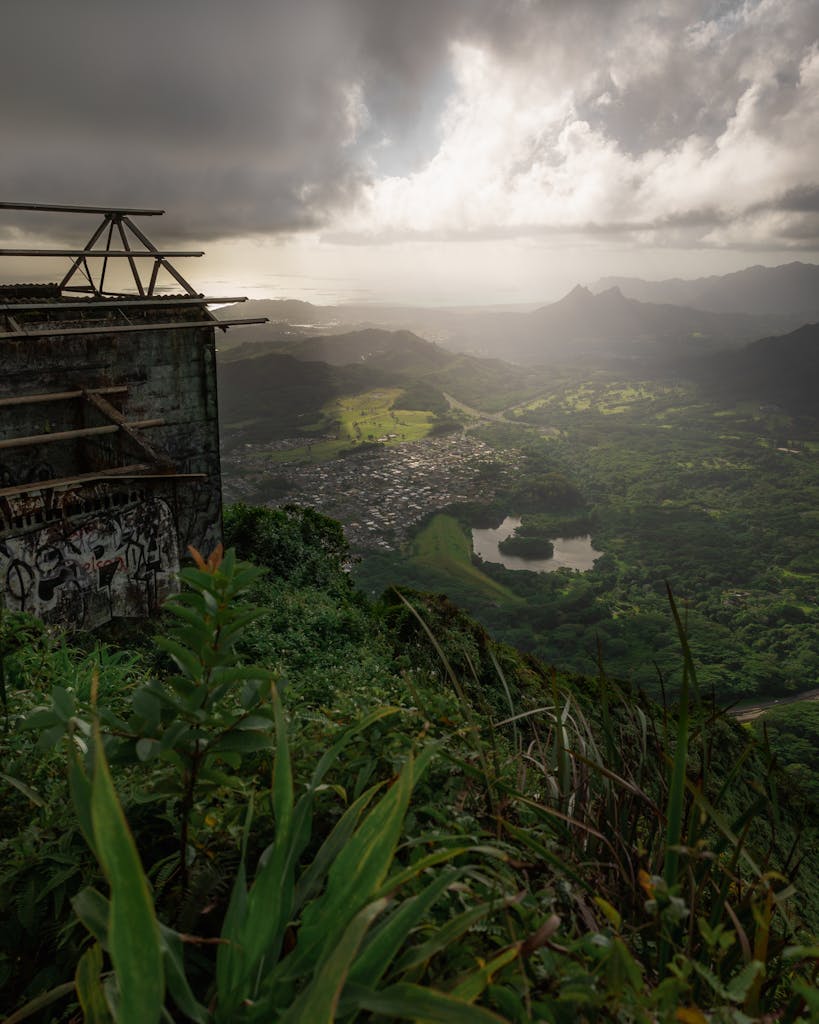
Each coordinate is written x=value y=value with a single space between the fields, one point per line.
x=527 y=547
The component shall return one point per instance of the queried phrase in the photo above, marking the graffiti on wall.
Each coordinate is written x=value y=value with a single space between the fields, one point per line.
x=83 y=572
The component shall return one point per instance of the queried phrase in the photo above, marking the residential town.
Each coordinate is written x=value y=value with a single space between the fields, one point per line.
x=380 y=493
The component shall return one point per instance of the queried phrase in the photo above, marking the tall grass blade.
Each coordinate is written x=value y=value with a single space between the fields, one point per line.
x=386 y=941
x=318 y=1002
x=89 y=987
x=471 y=987
x=314 y=876
x=41 y=1002
x=271 y=897
x=411 y=1002
x=447 y=934
x=133 y=930
x=360 y=869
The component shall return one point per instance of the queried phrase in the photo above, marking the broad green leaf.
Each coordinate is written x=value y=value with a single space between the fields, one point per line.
x=260 y=723
x=313 y=878
x=40 y=718
x=27 y=791
x=810 y=993
x=89 y=987
x=40 y=1002
x=801 y=952
x=94 y=910
x=49 y=738
x=609 y=912
x=271 y=896
x=319 y=1001
x=185 y=659
x=230 y=957
x=445 y=936
x=471 y=987
x=387 y=940
x=79 y=786
x=412 y=1002
x=147 y=705
x=63 y=703
x=178 y=985
x=147 y=748
x=738 y=987
x=133 y=931
x=360 y=868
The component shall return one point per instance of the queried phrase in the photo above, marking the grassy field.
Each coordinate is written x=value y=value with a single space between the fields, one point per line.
x=444 y=546
x=361 y=419
x=371 y=417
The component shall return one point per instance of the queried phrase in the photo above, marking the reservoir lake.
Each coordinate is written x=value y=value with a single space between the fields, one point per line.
x=570 y=552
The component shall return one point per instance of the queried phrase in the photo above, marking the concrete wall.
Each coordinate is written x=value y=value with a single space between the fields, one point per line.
x=82 y=553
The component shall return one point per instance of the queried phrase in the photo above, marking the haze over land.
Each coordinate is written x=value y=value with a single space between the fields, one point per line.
x=557 y=261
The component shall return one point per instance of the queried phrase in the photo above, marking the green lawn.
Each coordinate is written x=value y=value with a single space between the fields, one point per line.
x=443 y=545
x=361 y=419
x=371 y=417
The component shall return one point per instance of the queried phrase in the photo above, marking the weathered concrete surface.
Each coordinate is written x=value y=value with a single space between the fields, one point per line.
x=82 y=553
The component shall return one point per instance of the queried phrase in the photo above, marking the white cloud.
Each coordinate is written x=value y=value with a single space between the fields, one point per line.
x=517 y=156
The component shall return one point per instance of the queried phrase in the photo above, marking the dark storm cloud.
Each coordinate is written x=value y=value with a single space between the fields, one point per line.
x=235 y=117
x=273 y=115
x=799 y=200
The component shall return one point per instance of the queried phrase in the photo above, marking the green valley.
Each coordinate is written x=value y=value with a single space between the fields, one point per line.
x=676 y=481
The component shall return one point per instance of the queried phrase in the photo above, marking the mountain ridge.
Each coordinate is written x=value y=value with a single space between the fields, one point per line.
x=582 y=323
x=791 y=288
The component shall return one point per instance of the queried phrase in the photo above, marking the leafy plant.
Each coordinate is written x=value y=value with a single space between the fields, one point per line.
x=193 y=727
x=318 y=934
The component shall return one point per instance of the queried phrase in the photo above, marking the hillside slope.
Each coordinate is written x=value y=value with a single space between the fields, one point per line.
x=781 y=371
x=449 y=828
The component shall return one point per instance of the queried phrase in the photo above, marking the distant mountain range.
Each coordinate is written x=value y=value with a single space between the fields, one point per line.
x=610 y=325
x=582 y=325
x=789 y=289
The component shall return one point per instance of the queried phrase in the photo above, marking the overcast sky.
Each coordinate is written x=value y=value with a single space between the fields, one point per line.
x=421 y=150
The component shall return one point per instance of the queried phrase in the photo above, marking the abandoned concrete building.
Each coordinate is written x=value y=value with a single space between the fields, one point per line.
x=109 y=436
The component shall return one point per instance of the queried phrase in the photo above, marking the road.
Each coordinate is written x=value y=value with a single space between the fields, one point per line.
x=747 y=714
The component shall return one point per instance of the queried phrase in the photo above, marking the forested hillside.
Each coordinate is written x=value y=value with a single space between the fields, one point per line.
x=286 y=802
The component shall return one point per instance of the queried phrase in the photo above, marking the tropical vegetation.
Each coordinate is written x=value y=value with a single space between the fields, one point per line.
x=287 y=802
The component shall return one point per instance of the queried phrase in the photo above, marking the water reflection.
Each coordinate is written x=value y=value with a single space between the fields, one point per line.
x=570 y=552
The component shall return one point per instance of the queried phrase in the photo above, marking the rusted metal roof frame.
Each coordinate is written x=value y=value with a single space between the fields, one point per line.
x=54 y=330
x=102 y=254
x=136 y=471
x=69 y=435
x=61 y=396
x=111 y=219
x=168 y=300
x=56 y=208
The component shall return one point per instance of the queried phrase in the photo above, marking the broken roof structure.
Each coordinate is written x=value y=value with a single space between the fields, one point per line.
x=109 y=435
